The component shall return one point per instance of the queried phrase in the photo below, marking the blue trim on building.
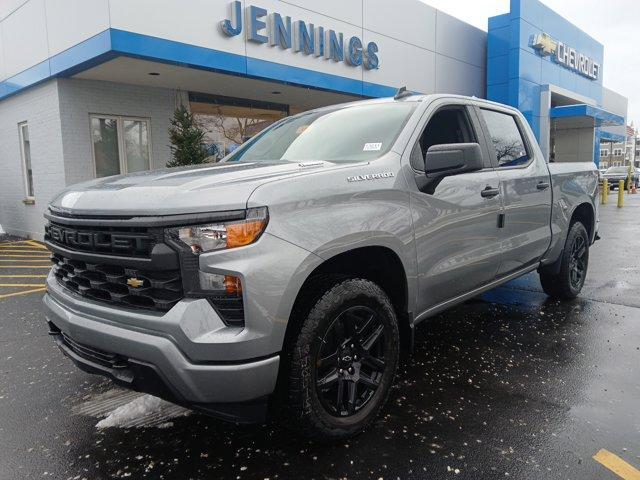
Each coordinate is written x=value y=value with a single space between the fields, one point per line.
x=517 y=74
x=601 y=117
x=611 y=137
x=112 y=43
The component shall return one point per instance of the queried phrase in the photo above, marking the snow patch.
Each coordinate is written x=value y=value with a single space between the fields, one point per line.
x=127 y=409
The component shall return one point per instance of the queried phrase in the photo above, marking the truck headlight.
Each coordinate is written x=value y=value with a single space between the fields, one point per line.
x=220 y=235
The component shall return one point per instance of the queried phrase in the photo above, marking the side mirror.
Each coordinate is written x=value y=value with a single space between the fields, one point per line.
x=452 y=159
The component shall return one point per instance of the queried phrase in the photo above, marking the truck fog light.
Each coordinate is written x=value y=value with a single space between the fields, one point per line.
x=222 y=284
x=211 y=281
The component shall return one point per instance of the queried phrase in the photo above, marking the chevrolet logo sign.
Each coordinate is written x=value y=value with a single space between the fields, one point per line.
x=544 y=44
x=135 y=282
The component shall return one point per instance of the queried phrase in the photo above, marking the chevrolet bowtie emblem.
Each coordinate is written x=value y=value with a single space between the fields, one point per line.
x=544 y=44
x=135 y=282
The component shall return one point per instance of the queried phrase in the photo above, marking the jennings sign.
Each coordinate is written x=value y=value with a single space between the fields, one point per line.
x=566 y=56
x=276 y=30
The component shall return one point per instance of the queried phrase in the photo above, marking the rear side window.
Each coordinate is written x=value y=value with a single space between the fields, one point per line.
x=506 y=137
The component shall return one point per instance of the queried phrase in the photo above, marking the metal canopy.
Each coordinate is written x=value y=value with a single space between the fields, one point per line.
x=592 y=114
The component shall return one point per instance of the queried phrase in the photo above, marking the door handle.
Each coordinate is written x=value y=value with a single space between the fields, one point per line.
x=490 y=192
x=542 y=185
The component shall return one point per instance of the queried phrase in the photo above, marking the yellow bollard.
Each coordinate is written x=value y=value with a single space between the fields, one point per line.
x=620 y=193
x=605 y=191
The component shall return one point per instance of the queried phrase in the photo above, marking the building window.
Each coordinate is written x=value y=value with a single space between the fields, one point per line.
x=25 y=153
x=617 y=152
x=604 y=153
x=120 y=144
x=229 y=122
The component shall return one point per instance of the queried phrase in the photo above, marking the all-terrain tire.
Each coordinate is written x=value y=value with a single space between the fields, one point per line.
x=562 y=284
x=304 y=409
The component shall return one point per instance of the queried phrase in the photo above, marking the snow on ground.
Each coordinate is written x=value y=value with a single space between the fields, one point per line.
x=126 y=409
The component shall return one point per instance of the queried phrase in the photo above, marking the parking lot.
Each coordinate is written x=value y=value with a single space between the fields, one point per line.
x=510 y=384
x=23 y=267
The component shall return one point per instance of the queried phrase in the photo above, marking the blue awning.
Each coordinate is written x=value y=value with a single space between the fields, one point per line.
x=611 y=137
x=601 y=118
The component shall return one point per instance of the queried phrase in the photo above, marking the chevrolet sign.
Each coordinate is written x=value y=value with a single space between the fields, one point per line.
x=564 y=55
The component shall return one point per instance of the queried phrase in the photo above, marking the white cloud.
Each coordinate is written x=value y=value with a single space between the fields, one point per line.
x=614 y=24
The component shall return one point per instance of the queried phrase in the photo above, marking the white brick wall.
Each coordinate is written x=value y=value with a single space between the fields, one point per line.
x=80 y=98
x=40 y=108
x=58 y=115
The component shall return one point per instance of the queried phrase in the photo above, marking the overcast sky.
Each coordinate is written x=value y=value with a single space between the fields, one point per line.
x=614 y=23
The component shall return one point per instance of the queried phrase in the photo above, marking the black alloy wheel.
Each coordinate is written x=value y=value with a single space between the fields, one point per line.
x=342 y=362
x=351 y=361
x=565 y=278
x=578 y=262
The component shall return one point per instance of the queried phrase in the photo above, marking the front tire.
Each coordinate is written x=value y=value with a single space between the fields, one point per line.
x=344 y=360
x=568 y=281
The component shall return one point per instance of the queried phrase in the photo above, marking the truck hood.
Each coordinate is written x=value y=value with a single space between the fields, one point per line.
x=219 y=187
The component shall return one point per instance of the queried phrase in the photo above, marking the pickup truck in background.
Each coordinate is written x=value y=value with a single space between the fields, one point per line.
x=613 y=175
x=286 y=279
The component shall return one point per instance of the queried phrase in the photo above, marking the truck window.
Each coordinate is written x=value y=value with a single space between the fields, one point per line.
x=448 y=125
x=508 y=144
x=352 y=133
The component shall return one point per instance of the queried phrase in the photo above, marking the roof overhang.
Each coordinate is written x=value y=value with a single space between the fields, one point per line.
x=611 y=137
x=594 y=116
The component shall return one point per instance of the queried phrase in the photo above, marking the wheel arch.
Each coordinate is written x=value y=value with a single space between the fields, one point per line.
x=585 y=214
x=377 y=263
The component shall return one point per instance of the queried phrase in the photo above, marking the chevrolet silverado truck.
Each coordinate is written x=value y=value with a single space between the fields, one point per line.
x=285 y=281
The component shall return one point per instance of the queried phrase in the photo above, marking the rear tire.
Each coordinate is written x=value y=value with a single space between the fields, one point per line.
x=343 y=361
x=568 y=281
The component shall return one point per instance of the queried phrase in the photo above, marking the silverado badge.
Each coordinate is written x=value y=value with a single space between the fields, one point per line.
x=135 y=282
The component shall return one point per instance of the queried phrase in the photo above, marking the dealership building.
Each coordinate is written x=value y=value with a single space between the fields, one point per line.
x=88 y=87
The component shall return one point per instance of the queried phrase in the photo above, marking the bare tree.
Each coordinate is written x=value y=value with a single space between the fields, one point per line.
x=234 y=129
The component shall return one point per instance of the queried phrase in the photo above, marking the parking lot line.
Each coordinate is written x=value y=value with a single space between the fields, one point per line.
x=25 y=266
x=617 y=465
x=24 y=292
x=23 y=276
x=20 y=261
x=36 y=244
x=25 y=256
x=21 y=285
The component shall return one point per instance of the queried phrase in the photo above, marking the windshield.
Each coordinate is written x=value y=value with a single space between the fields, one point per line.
x=618 y=170
x=355 y=133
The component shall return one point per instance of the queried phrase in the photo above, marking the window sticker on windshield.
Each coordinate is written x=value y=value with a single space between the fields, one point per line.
x=372 y=147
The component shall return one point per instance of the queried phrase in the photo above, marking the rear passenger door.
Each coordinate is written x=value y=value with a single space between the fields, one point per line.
x=455 y=220
x=525 y=189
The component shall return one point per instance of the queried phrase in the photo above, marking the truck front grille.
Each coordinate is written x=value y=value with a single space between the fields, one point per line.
x=155 y=290
x=121 y=241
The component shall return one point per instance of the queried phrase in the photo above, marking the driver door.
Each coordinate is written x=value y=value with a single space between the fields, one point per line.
x=456 y=221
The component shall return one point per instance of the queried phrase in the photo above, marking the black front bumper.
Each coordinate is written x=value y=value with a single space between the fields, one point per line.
x=146 y=378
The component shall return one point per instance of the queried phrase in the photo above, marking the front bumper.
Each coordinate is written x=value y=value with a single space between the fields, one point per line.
x=150 y=362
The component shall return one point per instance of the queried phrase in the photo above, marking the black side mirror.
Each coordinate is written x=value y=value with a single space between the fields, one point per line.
x=452 y=159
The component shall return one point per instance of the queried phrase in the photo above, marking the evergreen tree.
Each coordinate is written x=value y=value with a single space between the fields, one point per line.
x=187 y=140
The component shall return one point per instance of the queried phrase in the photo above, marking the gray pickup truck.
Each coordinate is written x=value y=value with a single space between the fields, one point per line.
x=287 y=279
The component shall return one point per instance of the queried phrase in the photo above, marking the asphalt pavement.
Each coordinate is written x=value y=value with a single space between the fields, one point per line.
x=509 y=385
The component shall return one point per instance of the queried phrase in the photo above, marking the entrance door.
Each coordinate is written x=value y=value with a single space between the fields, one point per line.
x=455 y=224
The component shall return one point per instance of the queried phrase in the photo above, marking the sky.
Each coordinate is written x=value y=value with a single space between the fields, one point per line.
x=614 y=23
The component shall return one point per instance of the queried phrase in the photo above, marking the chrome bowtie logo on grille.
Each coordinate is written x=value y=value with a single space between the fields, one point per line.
x=135 y=282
